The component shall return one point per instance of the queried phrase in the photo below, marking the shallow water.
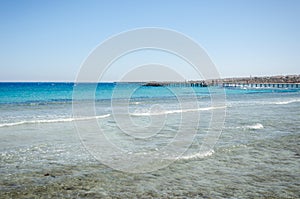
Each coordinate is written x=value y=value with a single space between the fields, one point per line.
x=41 y=154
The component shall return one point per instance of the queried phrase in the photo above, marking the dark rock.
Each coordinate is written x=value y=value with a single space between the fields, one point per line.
x=153 y=84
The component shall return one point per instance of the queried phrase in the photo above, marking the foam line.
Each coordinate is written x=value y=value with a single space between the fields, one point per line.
x=53 y=120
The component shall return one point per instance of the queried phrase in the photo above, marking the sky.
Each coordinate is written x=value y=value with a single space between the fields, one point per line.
x=49 y=40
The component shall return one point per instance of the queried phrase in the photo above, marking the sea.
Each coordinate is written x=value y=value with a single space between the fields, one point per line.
x=128 y=140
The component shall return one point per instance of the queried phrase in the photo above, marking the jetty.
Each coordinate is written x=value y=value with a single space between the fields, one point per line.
x=263 y=85
x=288 y=81
x=177 y=84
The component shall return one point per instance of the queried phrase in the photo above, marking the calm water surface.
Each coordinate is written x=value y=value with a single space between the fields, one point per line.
x=41 y=155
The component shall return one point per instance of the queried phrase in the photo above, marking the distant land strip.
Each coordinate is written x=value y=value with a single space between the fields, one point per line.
x=279 y=79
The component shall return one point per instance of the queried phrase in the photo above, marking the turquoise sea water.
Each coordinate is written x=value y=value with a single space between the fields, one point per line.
x=41 y=154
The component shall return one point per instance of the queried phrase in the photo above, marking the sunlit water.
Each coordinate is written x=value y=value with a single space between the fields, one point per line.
x=41 y=154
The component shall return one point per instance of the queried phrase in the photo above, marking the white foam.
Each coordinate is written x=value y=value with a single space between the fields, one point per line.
x=136 y=102
x=196 y=155
x=287 y=102
x=53 y=120
x=149 y=113
x=255 y=126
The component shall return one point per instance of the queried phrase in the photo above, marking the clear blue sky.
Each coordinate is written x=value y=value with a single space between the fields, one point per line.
x=48 y=40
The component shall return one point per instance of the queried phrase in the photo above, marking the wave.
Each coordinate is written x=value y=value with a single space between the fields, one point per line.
x=233 y=147
x=135 y=102
x=252 y=127
x=287 y=102
x=196 y=155
x=149 y=113
x=255 y=126
x=53 y=120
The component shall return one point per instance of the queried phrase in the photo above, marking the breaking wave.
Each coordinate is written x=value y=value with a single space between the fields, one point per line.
x=196 y=155
x=287 y=102
x=252 y=127
x=255 y=126
x=53 y=120
x=149 y=113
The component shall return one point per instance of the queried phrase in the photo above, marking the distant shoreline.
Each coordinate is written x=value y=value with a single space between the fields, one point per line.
x=278 y=79
x=264 y=79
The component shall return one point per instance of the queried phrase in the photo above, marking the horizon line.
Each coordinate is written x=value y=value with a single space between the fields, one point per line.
x=114 y=81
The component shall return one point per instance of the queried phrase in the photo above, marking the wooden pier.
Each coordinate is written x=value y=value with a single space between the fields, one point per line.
x=263 y=85
x=289 y=81
x=227 y=84
x=178 y=84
